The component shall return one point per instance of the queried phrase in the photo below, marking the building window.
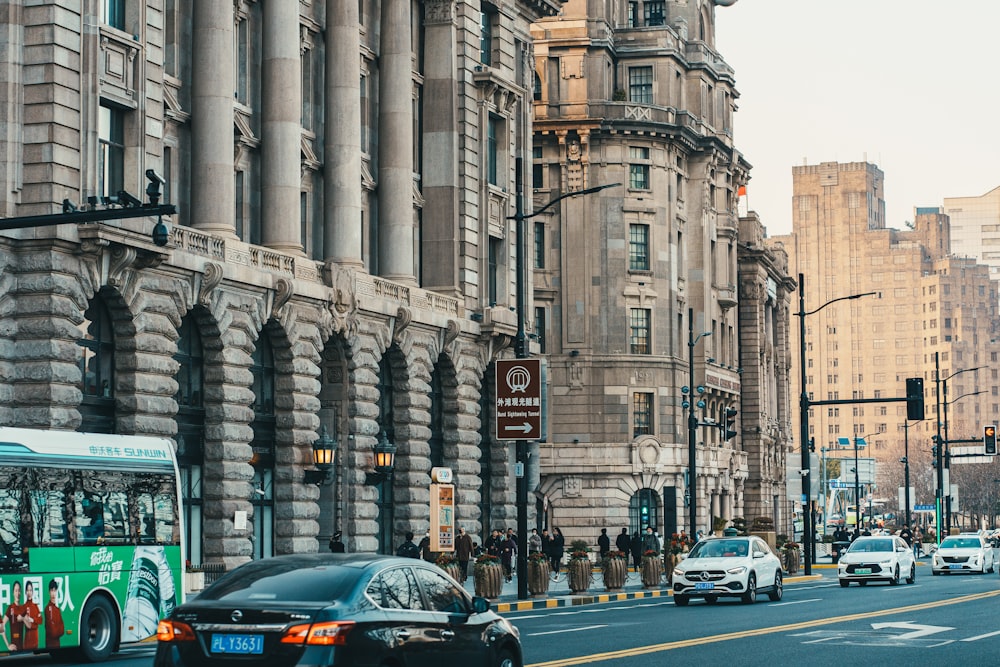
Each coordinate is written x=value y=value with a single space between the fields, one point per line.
x=496 y=249
x=639 y=330
x=241 y=47
x=97 y=369
x=540 y=326
x=640 y=84
x=654 y=12
x=113 y=13
x=112 y=157
x=487 y=19
x=638 y=247
x=263 y=372
x=642 y=413
x=307 y=89
x=633 y=13
x=537 y=168
x=492 y=157
x=638 y=172
x=539 y=245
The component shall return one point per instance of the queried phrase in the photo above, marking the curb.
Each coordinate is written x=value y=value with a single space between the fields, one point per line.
x=598 y=598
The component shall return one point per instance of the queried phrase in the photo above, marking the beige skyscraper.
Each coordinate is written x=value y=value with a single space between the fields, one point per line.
x=934 y=315
x=975 y=228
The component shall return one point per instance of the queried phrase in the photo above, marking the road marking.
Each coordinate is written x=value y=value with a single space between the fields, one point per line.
x=559 y=632
x=783 y=604
x=916 y=629
x=686 y=643
x=978 y=637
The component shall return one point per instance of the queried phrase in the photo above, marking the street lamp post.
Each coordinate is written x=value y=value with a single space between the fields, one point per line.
x=521 y=352
x=857 y=489
x=692 y=429
x=943 y=499
x=906 y=470
x=808 y=530
x=947 y=442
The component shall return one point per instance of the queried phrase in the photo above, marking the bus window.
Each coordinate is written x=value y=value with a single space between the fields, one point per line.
x=89 y=518
x=48 y=509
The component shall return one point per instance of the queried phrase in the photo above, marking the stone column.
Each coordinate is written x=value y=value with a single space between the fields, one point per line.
x=281 y=128
x=342 y=146
x=395 y=150
x=439 y=254
x=213 y=202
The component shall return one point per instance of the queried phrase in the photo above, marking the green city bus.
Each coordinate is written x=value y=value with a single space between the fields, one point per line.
x=90 y=540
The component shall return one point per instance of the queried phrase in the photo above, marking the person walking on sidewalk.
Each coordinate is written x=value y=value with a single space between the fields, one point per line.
x=635 y=548
x=508 y=550
x=557 y=546
x=463 y=553
x=604 y=543
x=534 y=542
x=649 y=541
x=622 y=542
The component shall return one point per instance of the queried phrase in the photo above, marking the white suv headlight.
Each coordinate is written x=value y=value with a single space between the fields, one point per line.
x=737 y=570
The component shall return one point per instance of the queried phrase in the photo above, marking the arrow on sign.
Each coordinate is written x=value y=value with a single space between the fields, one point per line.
x=916 y=630
x=523 y=428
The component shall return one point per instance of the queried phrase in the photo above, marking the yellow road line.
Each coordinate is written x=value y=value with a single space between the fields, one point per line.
x=669 y=646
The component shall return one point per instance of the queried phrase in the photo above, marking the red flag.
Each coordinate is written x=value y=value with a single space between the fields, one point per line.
x=742 y=192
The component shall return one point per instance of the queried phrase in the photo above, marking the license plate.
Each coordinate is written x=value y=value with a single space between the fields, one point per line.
x=704 y=586
x=863 y=570
x=242 y=644
x=955 y=566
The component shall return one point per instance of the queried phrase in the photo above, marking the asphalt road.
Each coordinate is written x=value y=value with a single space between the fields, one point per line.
x=937 y=620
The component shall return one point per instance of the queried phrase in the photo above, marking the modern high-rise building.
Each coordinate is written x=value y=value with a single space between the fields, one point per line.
x=342 y=266
x=927 y=314
x=975 y=228
x=642 y=295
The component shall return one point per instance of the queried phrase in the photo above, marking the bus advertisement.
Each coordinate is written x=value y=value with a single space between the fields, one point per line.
x=90 y=548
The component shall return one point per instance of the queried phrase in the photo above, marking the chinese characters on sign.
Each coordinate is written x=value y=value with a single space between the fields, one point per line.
x=519 y=399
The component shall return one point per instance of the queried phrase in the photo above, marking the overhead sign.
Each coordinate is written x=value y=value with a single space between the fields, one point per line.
x=519 y=399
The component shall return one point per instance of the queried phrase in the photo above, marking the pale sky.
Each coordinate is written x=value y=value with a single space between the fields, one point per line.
x=911 y=86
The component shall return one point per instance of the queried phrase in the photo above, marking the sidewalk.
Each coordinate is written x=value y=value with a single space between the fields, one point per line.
x=559 y=594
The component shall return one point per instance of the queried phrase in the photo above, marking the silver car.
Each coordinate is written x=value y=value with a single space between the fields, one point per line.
x=881 y=558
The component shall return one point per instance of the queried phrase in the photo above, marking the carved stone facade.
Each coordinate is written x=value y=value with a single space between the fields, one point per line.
x=346 y=276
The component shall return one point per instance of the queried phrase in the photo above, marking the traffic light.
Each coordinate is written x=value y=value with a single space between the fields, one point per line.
x=914 y=398
x=990 y=439
x=729 y=423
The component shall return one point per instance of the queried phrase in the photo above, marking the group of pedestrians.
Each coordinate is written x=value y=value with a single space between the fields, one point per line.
x=635 y=545
x=553 y=545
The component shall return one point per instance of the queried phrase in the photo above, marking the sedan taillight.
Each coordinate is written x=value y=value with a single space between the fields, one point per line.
x=332 y=633
x=174 y=631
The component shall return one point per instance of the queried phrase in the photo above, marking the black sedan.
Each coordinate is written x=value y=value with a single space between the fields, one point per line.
x=336 y=609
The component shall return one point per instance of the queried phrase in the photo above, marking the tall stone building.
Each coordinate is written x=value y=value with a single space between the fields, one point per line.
x=934 y=316
x=975 y=228
x=628 y=282
x=342 y=262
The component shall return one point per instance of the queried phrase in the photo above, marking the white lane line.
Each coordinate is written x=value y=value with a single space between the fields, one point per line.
x=978 y=637
x=782 y=604
x=559 y=632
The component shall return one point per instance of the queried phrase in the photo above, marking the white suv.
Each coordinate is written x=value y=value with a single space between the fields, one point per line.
x=728 y=567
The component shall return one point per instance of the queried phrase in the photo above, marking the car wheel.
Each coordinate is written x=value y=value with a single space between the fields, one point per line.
x=711 y=599
x=778 y=590
x=913 y=574
x=894 y=581
x=98 y=630
x=750 y=596
x=844 y=583
x=681 y=600
x=506 y=659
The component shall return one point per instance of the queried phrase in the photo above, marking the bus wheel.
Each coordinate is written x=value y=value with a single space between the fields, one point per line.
x=98 y=630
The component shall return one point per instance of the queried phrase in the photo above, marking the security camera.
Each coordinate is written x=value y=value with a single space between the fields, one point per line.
x=803 y=472
x=155 y=177
x=128 y=200
x=153 y=189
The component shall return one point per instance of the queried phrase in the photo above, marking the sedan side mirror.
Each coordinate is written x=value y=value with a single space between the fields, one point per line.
x=480 y=605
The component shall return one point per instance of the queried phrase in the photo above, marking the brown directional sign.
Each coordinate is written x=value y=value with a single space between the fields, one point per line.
x=519 y=399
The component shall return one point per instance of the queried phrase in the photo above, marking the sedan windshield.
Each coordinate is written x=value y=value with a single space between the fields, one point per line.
x=871 y=546
x=263 y=581
x=720 y=549
x=960 y=543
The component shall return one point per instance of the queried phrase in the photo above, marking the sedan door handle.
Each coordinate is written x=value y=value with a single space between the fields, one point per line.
x=447 y=634
x=402 y=634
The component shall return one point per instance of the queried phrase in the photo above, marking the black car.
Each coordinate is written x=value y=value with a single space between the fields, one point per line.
x=336 y=609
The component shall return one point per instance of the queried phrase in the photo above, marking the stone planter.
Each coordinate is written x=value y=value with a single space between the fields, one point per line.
x=791 y=560
x=489 y=580
x=538 y=577
x=578 y=575
x=651 y=570
x=614 y=571
x=454 y=571
x=669 y=563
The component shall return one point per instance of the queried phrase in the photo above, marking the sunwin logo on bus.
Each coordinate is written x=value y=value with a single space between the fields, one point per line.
x=128 y=452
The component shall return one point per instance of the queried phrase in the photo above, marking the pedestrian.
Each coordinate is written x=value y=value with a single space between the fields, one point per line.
x=492 y=543
x=534 y=542
x=557 y=548
x=622 y=542
x=604 y=543
x=408 y=549
x=425 y=548
x=649 y=541
x=463 y=553
x=907 y=535
x=635 y=548
x=336 y=544
x=508 y=550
